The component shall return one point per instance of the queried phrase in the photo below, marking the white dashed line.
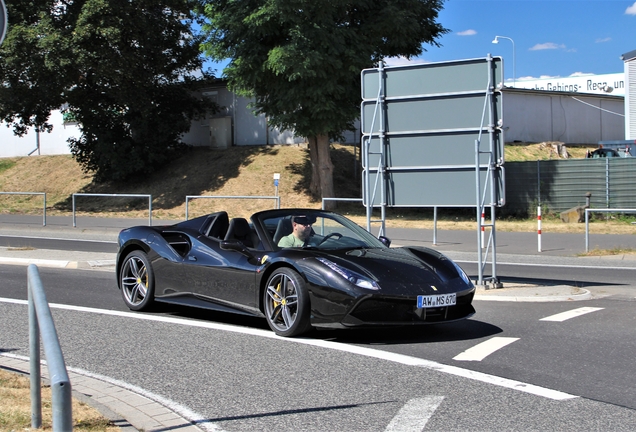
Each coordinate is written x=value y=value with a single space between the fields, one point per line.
x=353 y=349
x=415 y=414
x=570 y=314
x=484 y=349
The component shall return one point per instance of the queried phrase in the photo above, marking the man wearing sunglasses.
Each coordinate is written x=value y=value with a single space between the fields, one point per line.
x=301 y=232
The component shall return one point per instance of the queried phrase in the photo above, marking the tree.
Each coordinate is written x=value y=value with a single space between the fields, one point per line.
x=120 y=68
x=301 y=59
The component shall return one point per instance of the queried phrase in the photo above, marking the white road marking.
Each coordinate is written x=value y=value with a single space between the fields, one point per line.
x=38 y=262
x=484 y=349
x=560 y=317
x=415 y=414
x=60 y=238
x=352 y=349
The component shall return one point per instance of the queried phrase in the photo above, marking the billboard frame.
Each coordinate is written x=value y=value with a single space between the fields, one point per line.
x=452 y=102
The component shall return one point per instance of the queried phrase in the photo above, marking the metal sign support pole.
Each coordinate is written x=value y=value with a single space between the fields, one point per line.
x=383 y=171
x=491 y=171
x=480 y=273
x=366 y=162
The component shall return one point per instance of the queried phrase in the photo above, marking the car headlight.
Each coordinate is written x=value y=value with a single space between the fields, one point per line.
x=462 y=274
x=355 y=278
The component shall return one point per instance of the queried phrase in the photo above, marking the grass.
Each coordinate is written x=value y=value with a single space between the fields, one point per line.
x=243 y=171
x=15 y=408
x=609 y=252
x=5 y=164
x=524 y=152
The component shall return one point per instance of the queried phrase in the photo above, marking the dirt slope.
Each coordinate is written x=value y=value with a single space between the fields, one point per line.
x=238 y=171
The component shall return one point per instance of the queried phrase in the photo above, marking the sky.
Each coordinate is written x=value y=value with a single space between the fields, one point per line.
x=556 y=38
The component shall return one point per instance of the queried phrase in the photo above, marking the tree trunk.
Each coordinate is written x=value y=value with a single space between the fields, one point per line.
x=321 y=184
x=314 y=184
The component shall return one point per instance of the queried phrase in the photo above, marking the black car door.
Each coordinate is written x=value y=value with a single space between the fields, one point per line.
x=220 y=276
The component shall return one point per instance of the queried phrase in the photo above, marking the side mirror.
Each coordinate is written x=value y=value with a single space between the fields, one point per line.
x=385 y=241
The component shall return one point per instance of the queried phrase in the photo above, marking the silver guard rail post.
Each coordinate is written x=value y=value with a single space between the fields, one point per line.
x=117 y=195
x=41 y=322
x=189 y=197
x=32 y=193
x=587 y=221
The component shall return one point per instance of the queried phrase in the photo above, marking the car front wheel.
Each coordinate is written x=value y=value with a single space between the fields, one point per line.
x=287 y=303
x=137 y=281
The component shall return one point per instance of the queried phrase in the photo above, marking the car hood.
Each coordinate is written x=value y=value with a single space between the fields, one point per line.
x=403 y=270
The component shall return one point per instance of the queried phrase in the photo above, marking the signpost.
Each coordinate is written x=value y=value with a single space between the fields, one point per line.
x=276 y=180
x=3 y=21
x=432 y=137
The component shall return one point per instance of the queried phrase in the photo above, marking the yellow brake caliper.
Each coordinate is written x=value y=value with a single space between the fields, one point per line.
x=276 y=303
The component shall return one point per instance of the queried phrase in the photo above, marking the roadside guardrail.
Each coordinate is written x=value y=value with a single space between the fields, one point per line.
x=116 y=195
x=43 y=194
x=587 y=221
x=41 y=324
x=191 y=197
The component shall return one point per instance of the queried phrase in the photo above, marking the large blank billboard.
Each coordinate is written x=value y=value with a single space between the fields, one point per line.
x=420 y=125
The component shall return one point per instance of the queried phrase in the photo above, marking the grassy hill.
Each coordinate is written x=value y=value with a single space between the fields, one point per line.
x=237 y=171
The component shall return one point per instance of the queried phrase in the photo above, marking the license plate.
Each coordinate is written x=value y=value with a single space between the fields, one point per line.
x=439 y=300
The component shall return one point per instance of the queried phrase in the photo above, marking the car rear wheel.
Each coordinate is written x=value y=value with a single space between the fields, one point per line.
x=137 y=281
x=286 y=303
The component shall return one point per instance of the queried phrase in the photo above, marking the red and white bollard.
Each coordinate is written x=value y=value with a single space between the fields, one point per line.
x=539 y=226
x=483 y=234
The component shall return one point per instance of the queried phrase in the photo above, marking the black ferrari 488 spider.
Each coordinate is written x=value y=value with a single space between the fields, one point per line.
x=298 y=268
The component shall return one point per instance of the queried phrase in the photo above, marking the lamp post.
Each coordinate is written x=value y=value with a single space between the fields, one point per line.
x=514 y=75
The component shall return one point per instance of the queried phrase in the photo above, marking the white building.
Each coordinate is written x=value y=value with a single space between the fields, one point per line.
x=593 y=84
x=38 y=143
x=630 y=94
x=579 y=110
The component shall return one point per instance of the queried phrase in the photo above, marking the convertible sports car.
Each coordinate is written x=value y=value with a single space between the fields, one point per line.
x=327 y=272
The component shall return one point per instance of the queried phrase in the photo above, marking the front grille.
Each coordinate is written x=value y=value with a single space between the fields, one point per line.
x=396 y=311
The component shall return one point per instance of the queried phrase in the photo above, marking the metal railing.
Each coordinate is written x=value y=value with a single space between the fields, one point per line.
x=587 y=221
x=41 y=323
x=32 y=193
x=190 y=197
x=381 y=230
x=119 y=196
x=340 y=199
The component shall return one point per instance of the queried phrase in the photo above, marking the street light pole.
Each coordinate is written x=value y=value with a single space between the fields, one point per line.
x=514 y=74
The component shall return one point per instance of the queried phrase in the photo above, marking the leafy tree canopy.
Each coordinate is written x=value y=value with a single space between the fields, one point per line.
x=121 y=68
x=301 y=59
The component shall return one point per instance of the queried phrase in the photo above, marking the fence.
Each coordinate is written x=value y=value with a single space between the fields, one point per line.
x=41 y=322
x=32 y=193
x=117 y=195
x=562 y=184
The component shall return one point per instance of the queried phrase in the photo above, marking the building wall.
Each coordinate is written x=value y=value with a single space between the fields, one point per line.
x=538 y=116
x=630 y=99
x=595 y=84
x=529 y=116
x=247 y=127
x=49 y=143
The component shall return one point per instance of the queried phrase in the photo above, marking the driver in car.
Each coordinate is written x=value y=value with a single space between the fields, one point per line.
x=300 y=235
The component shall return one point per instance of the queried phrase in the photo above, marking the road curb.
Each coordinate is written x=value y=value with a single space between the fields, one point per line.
x=125 y=408
x=556 y=293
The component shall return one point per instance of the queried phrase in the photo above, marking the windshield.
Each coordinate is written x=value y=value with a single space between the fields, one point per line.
x=316 y=229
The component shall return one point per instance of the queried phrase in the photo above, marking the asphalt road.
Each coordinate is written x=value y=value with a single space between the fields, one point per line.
x=569 y=373
x=240 y=381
